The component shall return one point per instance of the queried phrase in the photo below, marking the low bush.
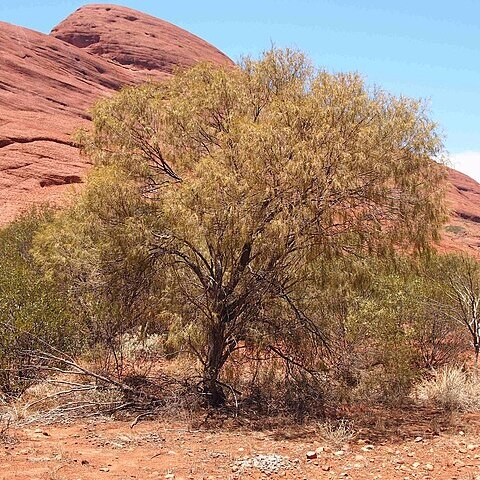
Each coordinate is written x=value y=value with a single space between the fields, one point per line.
x=34 y=312
x=450 y=388
x=336 y=433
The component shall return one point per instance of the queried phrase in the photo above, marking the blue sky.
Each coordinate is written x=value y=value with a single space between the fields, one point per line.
x=423 y=48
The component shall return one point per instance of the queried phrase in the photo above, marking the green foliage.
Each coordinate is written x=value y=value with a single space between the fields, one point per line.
x=100 y=250
x=33 y=311
x=456 y=229
x=384 y=322
x=216 y=191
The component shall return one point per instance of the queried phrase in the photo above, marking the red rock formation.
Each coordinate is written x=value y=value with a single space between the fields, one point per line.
x=48 y=83
x=134 y=39
x=462 y=232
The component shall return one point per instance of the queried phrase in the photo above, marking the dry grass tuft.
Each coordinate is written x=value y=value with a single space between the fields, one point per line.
x=452 y=389
x=336 y=433
x=5 y=436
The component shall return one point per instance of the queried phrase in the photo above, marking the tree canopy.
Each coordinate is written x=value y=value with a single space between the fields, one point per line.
x=228 y=182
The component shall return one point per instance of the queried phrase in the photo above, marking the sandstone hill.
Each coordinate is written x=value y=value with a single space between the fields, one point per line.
x=48 y=83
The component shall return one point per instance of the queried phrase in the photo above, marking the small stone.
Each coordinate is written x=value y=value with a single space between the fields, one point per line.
x=429 y=467
x=415 y=464
x=326 y=468
x=418 y=439
x=367 y=448
x=311 y=455
x=461 y=432
x=104 y=469
x=471 y=447
x=359 y=458
x=339 y=453
x=169 y=476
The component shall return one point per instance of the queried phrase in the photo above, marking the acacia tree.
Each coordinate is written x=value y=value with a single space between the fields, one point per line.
x=252 y=172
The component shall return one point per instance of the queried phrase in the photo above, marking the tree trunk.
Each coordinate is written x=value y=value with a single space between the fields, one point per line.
x=215 y=360
x=475 y=365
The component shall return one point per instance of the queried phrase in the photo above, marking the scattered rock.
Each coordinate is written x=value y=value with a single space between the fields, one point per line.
x=267 y=464
x=311 y=455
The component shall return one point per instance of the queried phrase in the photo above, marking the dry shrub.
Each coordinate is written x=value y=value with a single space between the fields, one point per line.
x=6 y=436
x=49 y=401
x=137 y=347
x=336 y=433
x=450 y=388
x=270 y=387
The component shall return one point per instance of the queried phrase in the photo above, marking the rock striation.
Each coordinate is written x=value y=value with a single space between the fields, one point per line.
x=135 y=40
x=49 y=82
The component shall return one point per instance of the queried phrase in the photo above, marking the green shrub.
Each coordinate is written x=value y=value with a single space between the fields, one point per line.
x=34 y=312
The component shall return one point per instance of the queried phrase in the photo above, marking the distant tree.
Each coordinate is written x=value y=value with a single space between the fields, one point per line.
x=458 y=278
x=250 y=173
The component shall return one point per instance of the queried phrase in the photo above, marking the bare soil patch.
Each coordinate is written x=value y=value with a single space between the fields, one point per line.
x=399 y=444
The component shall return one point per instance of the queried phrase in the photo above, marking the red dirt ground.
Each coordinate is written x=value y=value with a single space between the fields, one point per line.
x=416 y=444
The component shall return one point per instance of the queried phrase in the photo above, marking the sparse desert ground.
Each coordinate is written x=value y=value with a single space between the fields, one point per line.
x=407 y=444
